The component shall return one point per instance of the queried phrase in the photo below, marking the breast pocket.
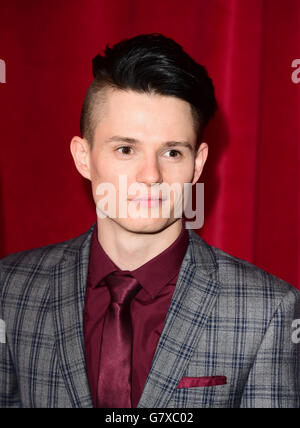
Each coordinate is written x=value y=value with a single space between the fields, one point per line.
x=200 y=392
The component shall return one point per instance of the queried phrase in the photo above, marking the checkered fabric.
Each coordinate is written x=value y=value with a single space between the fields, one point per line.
x=227 y=318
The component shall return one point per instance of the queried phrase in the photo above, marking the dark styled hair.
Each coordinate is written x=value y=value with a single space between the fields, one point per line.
x=150 y=63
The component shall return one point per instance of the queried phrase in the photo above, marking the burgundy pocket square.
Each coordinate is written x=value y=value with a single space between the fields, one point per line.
x=192 y=382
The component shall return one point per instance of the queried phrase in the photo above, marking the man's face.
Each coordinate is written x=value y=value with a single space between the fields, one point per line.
x=150 y=140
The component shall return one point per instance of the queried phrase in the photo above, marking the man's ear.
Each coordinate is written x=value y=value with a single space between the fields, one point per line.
x=200 y=160
x=80 y=150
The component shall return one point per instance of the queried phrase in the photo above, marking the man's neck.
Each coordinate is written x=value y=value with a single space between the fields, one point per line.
x=130 y=250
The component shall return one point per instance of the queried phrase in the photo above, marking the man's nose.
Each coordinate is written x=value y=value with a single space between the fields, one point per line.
x=149 y=171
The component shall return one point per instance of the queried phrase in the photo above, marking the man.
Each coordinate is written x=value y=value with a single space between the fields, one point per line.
x=189 y=325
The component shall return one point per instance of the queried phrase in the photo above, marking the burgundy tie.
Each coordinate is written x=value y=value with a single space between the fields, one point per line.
x=114 y=383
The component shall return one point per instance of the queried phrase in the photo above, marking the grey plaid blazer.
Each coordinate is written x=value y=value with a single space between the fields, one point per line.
x=227 y=318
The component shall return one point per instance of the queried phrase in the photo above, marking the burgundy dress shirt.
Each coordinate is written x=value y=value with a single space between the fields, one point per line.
x=149 y=308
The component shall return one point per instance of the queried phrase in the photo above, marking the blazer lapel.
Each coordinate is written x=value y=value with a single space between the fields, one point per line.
x=193 y=299
x=68 y=293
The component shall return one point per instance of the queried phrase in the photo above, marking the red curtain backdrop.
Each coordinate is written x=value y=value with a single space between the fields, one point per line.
x=252 y=175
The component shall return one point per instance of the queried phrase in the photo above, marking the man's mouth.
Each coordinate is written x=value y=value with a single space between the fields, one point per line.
x=146 y=201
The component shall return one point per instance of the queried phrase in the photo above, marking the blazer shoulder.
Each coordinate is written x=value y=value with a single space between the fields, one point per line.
x=252 y=277
x=238 y=275
x=46 y=256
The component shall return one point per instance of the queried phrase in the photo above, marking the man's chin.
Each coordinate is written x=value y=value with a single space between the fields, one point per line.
x=144 y=225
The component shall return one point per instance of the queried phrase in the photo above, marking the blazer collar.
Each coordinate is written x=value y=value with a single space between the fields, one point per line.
x=193 y=299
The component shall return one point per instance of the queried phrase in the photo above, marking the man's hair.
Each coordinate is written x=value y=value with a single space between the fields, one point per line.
x=149 y=63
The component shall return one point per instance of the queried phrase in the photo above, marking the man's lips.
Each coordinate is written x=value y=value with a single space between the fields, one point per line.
x=148 y=202
x=145 y=199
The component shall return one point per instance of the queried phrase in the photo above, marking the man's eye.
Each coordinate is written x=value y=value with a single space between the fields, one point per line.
x=174 y=153
x=125 y=150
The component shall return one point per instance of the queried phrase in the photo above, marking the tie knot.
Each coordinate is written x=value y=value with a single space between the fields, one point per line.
x=122 y=286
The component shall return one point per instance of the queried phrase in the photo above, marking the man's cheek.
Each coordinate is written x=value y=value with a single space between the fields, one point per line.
x=106 y=200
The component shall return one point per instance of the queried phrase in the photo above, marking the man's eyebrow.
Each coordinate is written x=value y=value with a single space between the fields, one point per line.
x=117 y=138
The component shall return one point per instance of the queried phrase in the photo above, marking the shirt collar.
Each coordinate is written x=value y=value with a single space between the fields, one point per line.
x=153 y=275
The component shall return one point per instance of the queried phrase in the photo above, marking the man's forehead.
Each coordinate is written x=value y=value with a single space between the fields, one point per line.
x=127 y=107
